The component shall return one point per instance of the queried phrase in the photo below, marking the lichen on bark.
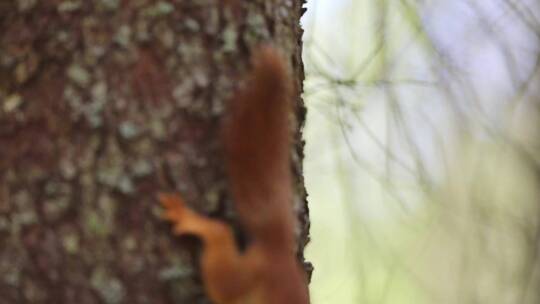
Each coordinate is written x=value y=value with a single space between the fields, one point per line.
x=103 y=104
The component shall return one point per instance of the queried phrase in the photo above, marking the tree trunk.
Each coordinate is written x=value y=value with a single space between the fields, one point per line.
x=105 y=103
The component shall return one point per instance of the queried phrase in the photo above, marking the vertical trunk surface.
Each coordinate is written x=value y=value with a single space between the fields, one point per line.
x=103 y=104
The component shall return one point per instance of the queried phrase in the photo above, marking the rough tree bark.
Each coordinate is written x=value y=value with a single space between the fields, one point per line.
x=103 y=104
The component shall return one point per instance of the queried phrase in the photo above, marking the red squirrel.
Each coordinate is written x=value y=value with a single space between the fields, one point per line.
x=256 y=142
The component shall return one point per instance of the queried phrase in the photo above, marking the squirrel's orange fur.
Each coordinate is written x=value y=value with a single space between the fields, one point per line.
x=257 y=146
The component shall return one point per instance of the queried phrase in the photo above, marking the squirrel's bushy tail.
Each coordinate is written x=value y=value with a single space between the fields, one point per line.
x=257 y=151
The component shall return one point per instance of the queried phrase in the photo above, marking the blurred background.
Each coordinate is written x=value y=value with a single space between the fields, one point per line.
x=423 y=150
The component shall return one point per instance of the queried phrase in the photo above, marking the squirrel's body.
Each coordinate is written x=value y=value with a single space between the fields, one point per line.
x=256 y=148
